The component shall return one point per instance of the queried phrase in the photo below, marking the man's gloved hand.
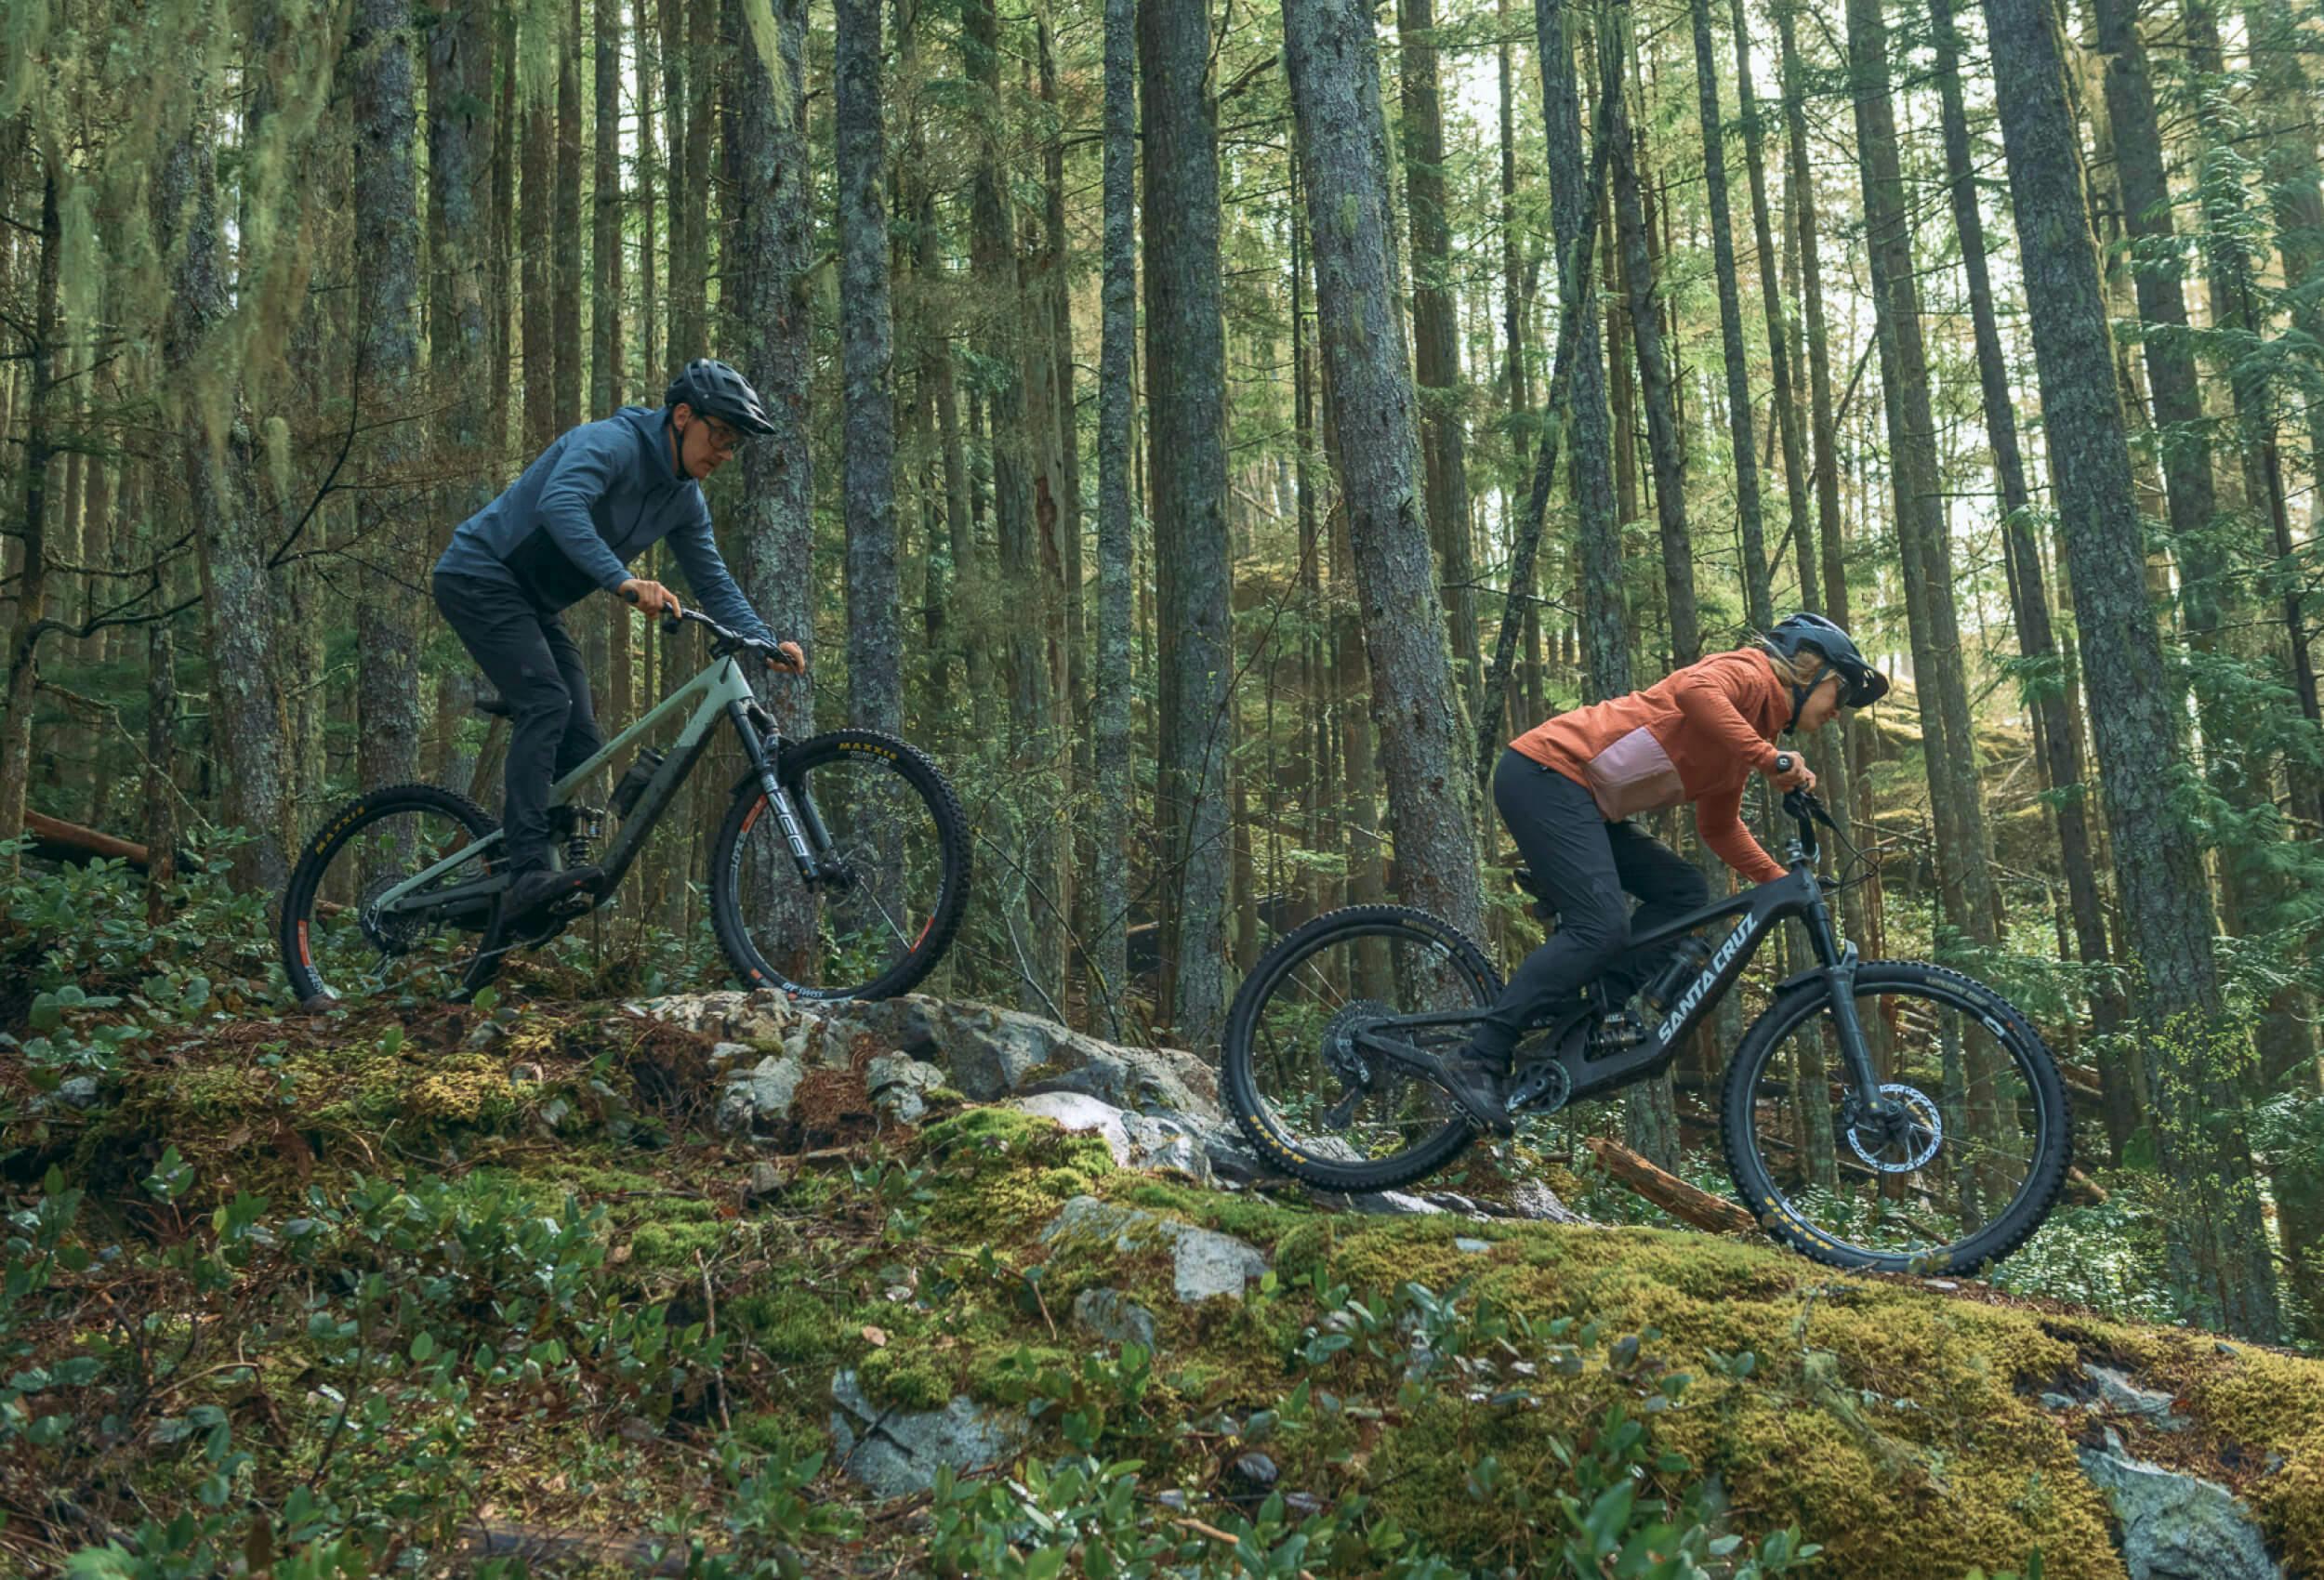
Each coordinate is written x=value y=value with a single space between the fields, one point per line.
x=787 y=658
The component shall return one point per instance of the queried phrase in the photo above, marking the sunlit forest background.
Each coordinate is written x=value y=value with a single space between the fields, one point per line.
x=1210 y=429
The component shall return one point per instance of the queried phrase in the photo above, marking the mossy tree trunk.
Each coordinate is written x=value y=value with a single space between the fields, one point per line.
x=1116 y=401
x=2218 y=1247
x=1186 y=412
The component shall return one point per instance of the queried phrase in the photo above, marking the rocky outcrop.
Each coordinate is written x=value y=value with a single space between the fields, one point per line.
x=2176 y=1526
x=896 y=1453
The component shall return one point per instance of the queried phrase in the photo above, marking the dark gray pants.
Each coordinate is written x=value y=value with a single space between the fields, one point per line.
x=538 y=670
x=1588 y=868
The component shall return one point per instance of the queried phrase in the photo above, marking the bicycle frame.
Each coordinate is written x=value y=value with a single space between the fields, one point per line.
x=721 y=690
x=1796 y=894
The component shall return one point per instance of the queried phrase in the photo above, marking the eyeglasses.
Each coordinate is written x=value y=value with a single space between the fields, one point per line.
x=724 y=441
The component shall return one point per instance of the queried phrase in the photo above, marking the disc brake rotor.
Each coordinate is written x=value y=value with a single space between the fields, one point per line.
x=1915 y=1126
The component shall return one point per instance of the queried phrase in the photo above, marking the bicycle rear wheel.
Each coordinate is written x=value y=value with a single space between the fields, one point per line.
x=1315 y=1103
x=894 y=846
x=1959 y=1177
x=338 y=946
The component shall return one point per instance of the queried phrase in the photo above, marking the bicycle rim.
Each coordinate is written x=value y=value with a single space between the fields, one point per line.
x=894 y=874
x=340 y=945
x=1313 y=1088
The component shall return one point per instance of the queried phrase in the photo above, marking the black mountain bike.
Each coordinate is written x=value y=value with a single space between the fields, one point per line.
x=840 y=870
x=1884 y=1115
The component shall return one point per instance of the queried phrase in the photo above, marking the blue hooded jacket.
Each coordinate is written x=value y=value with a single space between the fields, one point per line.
x=600 y=495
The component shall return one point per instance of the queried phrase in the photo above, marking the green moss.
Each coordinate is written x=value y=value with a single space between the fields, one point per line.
x=903 y=1377
x=1003 y=1171
x=790 y=1325
x=673 y=1244
x=779 y=1432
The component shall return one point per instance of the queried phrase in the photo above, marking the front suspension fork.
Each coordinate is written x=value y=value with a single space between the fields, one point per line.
x=1854 y=1049
x=802 y=825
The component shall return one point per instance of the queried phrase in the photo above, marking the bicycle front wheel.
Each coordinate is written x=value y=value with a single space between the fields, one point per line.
x=1315 y=1101
x=1964 y=1167
x=892 y=844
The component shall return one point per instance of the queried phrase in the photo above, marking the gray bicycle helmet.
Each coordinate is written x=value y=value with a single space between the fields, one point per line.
x=1861 y=684
x=715 y=390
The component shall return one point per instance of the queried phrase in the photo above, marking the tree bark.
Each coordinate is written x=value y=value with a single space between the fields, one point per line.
x=2060 y=748
x=1589 y=471
x=1758 y=598
x=1436 y=337
x=386 y=280
x=1779 y=364
x=565 y=253
x=1947 y=742
x=1663 y=443
x=1186 y=419
x=2217 y=1244
x=1116 y=399
x=32 y=586
x=1335 y=90
x=875 y=656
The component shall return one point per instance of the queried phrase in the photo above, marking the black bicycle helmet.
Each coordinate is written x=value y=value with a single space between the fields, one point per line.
x=1861 y=684
x=715 y=390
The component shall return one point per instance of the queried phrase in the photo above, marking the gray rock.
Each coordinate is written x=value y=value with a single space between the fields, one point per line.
x=1166 y=1141
x=766 y=1183
x=762 y=1093
x=2117 y=1392
x=1114 y=1317
x=1206 y=1263
x=1475 y=1248
x=1074 y=1111
x=1393 y=1204
x=1210 y=1263
x=2061 y=1401
x=895 y=1452
x=898 y=1083
x=1531 y=1199
x=2177 y=1527
x=79 y=1091
x=1257 y=1470
x=724 y=1053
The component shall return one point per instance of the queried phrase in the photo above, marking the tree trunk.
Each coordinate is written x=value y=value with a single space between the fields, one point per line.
x=685 y=209
x=1646 y=325
x=1117 y=400
x=874 y=656
x=565 y=279
x=654 y=371
x=1185 y=415
x=2217 y=1244
x=2060 y=743
x=386 y=280
x=540 y=216
x=31 y=586
x=1436 y=336
x=1335 y=90
x=1795 y=478
x=769 y=249
x=1758 y=598
x=1589 y=471
x=459 y=345
x=1947 y=742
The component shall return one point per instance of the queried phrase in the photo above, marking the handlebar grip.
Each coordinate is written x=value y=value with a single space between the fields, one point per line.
x=1783 y=762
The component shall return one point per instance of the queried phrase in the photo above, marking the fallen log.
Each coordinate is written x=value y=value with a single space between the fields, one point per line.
x=1667 y=1190
x=60 y=840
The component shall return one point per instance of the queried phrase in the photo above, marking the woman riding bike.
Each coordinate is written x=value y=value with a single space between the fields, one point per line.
x=1569 y=788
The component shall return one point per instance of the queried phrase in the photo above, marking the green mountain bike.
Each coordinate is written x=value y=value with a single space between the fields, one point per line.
x=841 y=869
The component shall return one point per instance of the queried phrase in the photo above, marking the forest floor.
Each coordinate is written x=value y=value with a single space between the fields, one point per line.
x=454 y=1282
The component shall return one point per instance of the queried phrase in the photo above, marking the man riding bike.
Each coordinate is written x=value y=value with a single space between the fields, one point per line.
x=596 y=499
x=1567 y=789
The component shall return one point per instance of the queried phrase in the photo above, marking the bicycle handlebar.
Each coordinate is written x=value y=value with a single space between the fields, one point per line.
x=719 y=635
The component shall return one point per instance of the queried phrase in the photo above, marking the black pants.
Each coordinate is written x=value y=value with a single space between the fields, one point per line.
x=1588 y=868
x=538 y=670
